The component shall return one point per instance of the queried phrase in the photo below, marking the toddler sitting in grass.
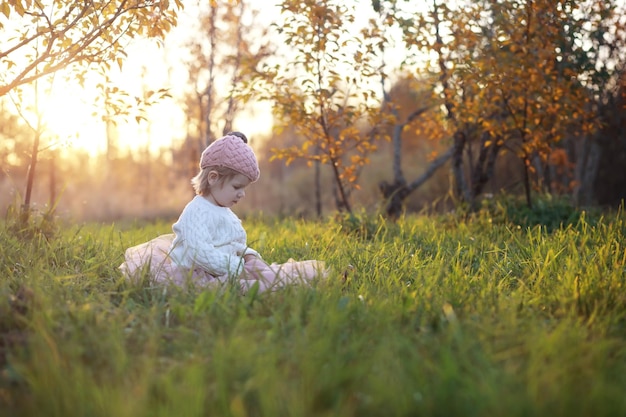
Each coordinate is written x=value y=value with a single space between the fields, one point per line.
x=209 y=245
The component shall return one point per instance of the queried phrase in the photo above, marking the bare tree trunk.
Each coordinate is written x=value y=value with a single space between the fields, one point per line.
x=341 y=190
x=31 y=175
x=432 y=168
x=281 y=194
x=336 y=197
x=569 y=178
x=485 y=166
x=396 y=193
x=208 y=134
x=194 y=158
x=539 y=169
x=525 y=163
x=147 y=178
x=588 y=158
x=580 y=151
x=470 y=164
x=556 y=182
x=461 y=188
x=53 y=182
x=318 y=188
x=547 y=176
x=398 y=175
x=232 y=103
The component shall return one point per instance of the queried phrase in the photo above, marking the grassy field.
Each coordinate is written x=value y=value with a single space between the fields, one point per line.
x=488 y=315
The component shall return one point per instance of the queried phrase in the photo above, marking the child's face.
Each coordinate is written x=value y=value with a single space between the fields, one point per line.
x=228 y=192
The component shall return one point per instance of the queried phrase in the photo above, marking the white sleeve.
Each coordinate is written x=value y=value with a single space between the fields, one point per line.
x=250 y=251
x=199 y=245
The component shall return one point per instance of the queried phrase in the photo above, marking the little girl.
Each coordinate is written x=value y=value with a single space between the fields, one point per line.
x=208 y=245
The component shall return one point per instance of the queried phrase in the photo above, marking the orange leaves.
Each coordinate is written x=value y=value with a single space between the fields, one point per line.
x=5 y=9
x=75 y=33
x=326 y=90
x=558 y=157
x=19 y=6
x=517 y=84
x=432 y=156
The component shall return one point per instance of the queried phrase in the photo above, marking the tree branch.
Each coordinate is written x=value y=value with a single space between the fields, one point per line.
x=432 y=168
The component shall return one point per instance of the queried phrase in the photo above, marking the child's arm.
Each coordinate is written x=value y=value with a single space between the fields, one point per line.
x=196 y=249
x=249 y=253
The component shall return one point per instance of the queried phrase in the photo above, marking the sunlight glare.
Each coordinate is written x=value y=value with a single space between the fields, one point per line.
x=66 y=112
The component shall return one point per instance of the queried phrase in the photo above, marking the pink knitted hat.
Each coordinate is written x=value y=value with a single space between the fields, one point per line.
x=232 y=151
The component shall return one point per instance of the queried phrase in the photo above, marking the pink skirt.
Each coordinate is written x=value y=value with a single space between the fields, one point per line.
x=153 y=258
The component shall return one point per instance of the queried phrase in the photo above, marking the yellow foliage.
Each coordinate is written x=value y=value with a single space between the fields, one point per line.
x=76 y=36
x=5 y=9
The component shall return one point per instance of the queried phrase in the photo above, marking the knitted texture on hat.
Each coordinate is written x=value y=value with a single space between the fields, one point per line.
x=231 y=152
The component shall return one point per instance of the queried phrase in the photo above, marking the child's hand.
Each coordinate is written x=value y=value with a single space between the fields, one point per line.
x=254 y=262
x=249 y=258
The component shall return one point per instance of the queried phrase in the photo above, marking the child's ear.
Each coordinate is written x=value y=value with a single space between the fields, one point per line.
x=213 y=177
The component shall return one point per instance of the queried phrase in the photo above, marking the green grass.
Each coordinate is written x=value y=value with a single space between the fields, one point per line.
x=440 y=317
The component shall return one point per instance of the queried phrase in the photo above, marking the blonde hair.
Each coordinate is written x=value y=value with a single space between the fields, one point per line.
x=201 y=184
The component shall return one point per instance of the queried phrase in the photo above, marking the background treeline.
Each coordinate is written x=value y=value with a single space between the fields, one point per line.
x=400 y=108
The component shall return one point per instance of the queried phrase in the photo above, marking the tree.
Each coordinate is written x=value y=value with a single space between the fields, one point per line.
x=421 y=119
x=43 y=38
x=324 y=89
x=609 y=187
x=13 y=143
x=223 y=50
x=227 y=46
x=510 y=78
x=594 y=43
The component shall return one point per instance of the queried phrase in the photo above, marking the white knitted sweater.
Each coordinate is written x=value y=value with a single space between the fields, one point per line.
x=209 y=237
